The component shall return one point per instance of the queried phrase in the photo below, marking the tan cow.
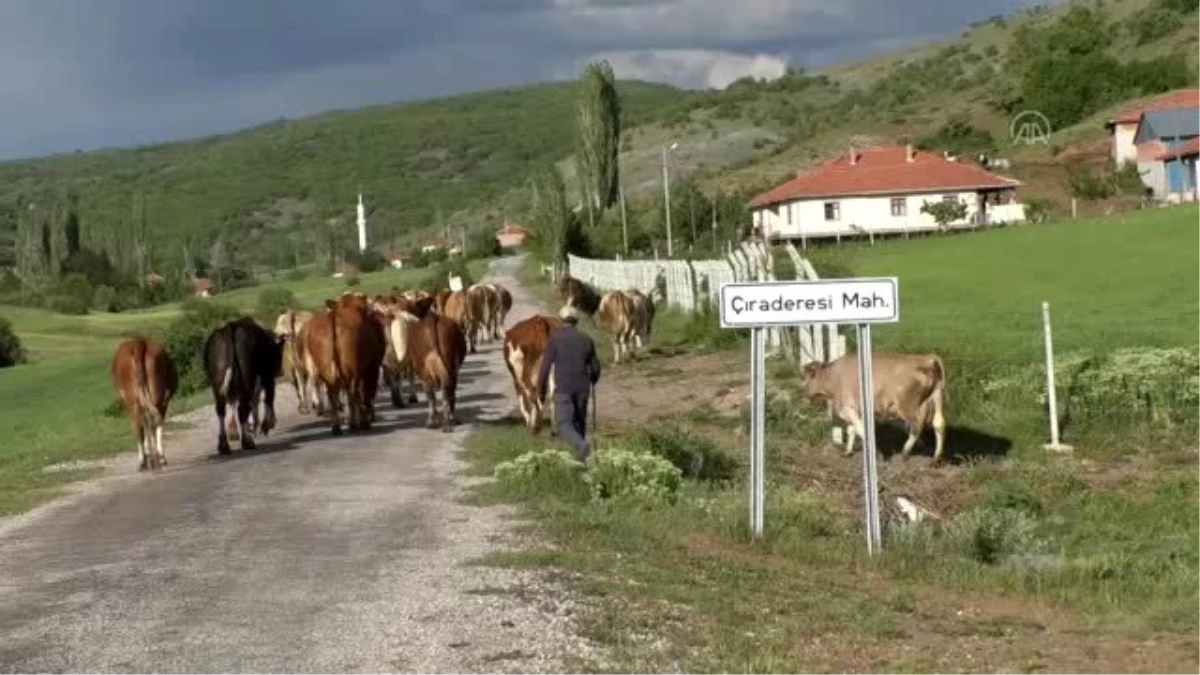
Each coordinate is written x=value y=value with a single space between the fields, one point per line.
x=908 y=387
x=484 y=303
x=435 y=348
x=309 y=392
x=461 y=307
x=502 y=309
x=523 y=347
x=145 y=378
x=617 y=314
x=643 y=315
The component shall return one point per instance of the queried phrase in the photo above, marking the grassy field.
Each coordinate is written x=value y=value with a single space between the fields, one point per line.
x=55 y=405
x=1037 y=562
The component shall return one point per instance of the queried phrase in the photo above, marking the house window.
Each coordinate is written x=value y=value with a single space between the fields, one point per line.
x=950 y=199
x=833 y=211
x=899 y=206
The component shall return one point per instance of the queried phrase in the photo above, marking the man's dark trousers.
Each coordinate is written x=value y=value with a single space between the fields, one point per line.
x=570 y=418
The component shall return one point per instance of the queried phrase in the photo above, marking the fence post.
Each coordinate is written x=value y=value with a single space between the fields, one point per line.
x=1051 y=392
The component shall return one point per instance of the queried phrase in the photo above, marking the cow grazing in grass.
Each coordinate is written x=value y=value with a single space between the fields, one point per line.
x=578 y=295
x=290 y=326
x=435 y=348
x=345 y=348
x=908 y=387
x=524 y=344
x=145 y=378
x=502 y=309
x=242 y=360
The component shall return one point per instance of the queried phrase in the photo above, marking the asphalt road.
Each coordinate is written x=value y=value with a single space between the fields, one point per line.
x=311 y=554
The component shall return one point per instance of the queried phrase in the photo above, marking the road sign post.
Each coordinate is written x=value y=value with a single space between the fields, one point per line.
x=765 y=304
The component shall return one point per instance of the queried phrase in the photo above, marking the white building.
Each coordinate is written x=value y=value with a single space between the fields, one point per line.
x=880 y=191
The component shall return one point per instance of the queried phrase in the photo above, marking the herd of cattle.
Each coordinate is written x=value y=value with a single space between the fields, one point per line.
x=423 y=339
x=414 y=337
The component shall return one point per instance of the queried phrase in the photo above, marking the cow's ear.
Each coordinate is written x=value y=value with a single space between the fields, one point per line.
x=811 y=368
x=331 y=304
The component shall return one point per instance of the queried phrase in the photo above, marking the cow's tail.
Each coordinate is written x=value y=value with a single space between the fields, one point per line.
x=335 y=356
x=939 y=387
x=149 y=411
x=230 y=345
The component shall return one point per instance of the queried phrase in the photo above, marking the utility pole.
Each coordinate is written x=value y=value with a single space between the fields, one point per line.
x=667 y=196
x=714 y=220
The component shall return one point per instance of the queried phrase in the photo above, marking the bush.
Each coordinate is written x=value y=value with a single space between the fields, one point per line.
x=296 y=275
x=11 y=351
x=1151 y=384
x=352 y=280
x=68 y=304
x=184 y=340
x=274 y=301
x=548 y=472
x=628 y=474
x=105 y=299
x=1037 y=209
x=987 y=535
x=695 y=456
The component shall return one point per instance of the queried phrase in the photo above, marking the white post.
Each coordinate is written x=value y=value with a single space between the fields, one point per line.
x=867 y=415
x=1051 y=391
x=757 y=429
x=362 y=225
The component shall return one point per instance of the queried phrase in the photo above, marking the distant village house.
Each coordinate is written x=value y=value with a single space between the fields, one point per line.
x=201 y=287
x=511 y=235
x=442 y=244
x=881 y=190
x=1159 y=136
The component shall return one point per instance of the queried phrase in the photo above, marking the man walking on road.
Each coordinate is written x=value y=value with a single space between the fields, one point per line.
x=576 y=370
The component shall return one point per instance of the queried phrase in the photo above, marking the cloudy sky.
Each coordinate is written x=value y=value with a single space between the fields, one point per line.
x=82 y=74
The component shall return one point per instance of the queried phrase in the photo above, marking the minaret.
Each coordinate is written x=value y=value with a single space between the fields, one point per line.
x=362 y=225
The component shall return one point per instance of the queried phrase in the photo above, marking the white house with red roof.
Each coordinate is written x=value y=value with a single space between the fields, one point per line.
x=1123 y=127
x=881 y=191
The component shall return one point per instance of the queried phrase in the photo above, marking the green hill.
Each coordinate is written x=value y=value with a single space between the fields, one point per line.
x=463 y=161
x=278 y=182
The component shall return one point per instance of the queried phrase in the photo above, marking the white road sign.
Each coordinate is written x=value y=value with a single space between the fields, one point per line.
x=791 y=303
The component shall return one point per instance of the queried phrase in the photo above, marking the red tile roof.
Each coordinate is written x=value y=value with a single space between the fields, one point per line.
x=884 y=170
x=1180 y=98
x=511 y=229
x=1191 y=147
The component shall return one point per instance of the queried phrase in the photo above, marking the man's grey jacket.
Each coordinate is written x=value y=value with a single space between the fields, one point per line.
x=573 y=355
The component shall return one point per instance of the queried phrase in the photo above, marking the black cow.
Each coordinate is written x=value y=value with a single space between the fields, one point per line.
x=242 y=361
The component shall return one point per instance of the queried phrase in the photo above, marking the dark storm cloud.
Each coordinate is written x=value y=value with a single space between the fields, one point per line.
x=90 y=73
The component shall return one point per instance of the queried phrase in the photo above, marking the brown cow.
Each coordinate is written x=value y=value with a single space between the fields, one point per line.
x=523 y=347
x=485 y=302
x=908 y=387
x=502 y=310
x=618 y=314
x=145 y=378
x=344 y=348
x=460 y=308
x=577 y=294
x=435 y=347
x=643 y=314
x=290 y=326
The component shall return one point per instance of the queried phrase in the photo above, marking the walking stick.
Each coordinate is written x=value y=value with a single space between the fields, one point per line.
x=595 y=402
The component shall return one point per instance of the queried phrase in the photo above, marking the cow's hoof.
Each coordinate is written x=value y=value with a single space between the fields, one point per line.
x=447 y=428
x=143 y=466
x=224 y=450
x=248 y=443
x=337 y=430
x=431 y=424
x=412 y=398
